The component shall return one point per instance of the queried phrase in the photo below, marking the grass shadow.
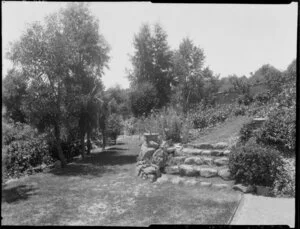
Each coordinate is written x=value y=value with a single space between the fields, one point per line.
x=20 y=192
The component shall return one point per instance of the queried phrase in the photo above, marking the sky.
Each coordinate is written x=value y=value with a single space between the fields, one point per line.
x=236 y=39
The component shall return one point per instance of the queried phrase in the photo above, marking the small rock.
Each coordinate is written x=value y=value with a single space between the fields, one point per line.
x=225 y=174
x=221 y=161
x=152 y=177
x=188 y=170
x=43 y=166
x=208 y=172
x=220 y=186
x=205 y=184
x=243 y=188
x=172 y=169
x=171 y=150
x=191 y=151
x=162 y=179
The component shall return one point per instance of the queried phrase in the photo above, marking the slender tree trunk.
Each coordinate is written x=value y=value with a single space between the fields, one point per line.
x=82 y=134
x=89 y=141
x=103 y=138
x=58 y=145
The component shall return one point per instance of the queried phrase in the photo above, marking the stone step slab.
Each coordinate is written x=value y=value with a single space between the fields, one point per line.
x=218 y=145
x=201 y=152
x=172 y=169
x=221 y=161
x=221 y=186
x=243 y=188
x=194 y=161
x=188 y=170
x=225 y=174
x=177 y=160
x=207 y=172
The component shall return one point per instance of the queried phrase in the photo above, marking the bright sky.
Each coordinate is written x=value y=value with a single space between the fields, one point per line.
x=236 y=39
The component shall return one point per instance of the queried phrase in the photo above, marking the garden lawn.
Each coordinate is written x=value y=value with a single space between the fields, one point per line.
x=104 y=190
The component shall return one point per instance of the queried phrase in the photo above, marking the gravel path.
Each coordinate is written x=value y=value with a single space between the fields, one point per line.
x=260 y=210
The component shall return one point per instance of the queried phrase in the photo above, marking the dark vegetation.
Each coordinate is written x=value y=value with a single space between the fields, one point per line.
x=56 y=107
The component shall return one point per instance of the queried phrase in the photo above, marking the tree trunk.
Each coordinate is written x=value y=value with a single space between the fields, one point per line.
x=89 y=141
x=82 y=134
x=58 y=145
x=103 y=138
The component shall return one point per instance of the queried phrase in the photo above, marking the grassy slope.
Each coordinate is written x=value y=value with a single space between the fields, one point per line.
x=224 y=132
x=103 y=190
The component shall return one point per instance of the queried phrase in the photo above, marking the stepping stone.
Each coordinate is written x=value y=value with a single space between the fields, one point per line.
x=206 y=153
x=162 y=179
x=172 y=169
x=226 y=152
x=171 y=150
x=221 y=161
x=208 y=172
x=191 y=151
x=205 y=184
x=220 y=186
x=177 y=160
x=208 y=160
x=243 y=188
x=220 y=145
x=201 y=145
x=215 y=152
x=225 y=174
x=188 y=170
x=194 y=160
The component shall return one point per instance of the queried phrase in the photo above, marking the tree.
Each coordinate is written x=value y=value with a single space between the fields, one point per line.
x=187 y=69
x=152 y=63
x=63 y=60
x=14 y=91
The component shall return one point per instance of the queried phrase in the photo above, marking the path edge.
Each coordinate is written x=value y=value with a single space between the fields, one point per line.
x=237 y=209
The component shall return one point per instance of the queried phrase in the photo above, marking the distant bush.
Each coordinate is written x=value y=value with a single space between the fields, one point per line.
x=114 y=126
x=253 y=164
x=247 y=132
x=263 y=97
x=245 y=99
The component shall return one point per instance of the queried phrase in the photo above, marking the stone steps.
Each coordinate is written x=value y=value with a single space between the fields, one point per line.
x=206 y=171
x=201 y=152
x=207 y=146
x=215 y=183
x=199 y=160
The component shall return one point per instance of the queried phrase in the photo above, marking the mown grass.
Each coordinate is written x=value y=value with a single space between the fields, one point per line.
x=103 y=190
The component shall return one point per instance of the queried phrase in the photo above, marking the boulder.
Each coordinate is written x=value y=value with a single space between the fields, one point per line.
x=188 y=170
x=193 y=160
x=172 y=169
x=146 y=152
x=160 y=158
x=208 y=172
x=225 y=174
x=221 y=161
x=243 y=188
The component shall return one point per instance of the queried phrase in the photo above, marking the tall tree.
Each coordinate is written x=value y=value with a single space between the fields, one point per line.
x=187 y=69
x=152 y=63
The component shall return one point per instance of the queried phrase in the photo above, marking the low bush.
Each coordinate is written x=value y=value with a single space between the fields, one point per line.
x=247 y=132
x=262 y=98
x=245 y=99
x=253 y=164
x=21 y=155
x=114 y=126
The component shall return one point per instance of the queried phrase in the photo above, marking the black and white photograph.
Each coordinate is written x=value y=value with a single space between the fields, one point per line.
x=139 y=113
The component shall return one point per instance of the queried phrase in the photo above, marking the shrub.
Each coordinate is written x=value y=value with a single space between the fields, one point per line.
x=284 y=184
x=253 y=164
x=114 y=126
x=240 y=110
x=21 y=155
x=262 y=98
x=280 y=130
x=247 y=132
x=245 y=99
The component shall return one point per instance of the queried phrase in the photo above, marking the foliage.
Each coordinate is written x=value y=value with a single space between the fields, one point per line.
x=254 y=164
x=245 y=99
x=247 y=132
x=284 y=184
x=143 y=99
x=262 y=98
x=152 y=63
x=24 y=149
x=280 y=130
x=114 y=126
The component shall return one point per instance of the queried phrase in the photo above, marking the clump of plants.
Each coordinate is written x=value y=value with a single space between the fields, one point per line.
x=254 y=164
